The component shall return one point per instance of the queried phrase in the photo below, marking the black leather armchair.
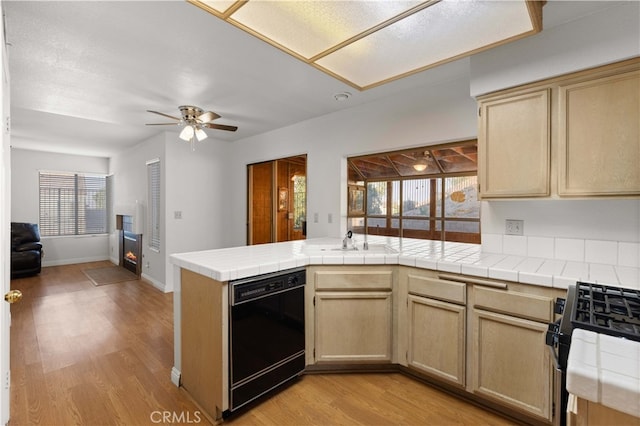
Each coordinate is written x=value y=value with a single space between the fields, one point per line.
x=26 y=249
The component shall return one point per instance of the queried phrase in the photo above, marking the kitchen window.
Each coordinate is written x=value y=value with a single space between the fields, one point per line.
x=72 y=204
x=429 y=193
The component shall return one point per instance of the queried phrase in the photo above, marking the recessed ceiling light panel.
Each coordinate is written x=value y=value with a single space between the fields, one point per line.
x=309 y=28
x=440 y=33
x=368 y=43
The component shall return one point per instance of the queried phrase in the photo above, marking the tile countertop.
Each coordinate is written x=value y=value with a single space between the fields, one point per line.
x=601 y=368
x=240 y=262
x=605 y=369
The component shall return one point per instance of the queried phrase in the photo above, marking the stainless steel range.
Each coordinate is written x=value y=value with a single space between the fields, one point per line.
x=600 y=308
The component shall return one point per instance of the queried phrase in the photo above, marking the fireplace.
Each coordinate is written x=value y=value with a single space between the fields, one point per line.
x=130 y=245
x=131 y=252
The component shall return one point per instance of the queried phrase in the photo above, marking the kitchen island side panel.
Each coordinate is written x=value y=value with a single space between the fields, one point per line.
x=204 y=342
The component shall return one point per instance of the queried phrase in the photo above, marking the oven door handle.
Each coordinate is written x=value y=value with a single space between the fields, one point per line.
x=551 y=340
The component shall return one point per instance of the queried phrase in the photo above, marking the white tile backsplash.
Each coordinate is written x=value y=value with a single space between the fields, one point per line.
x=601 y=252
x=629 y=254
x=514 y=245
x=569 y=249
x=617 y=253
x=540 y=247
x=492 y=243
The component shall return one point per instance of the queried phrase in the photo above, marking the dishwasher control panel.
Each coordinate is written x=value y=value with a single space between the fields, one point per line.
x=252 y=288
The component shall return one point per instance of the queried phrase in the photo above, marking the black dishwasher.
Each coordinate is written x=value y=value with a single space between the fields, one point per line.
x=266 y=333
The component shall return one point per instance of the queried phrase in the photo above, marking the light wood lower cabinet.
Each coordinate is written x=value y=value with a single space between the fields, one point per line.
x=511 y=363
x=586 y=413
x=353 y=314
x=509 y=360
x=437 y=338
x=204 y=342
x=353 y=326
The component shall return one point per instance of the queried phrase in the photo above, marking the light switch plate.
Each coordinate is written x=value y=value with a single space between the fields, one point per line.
x=514 y=227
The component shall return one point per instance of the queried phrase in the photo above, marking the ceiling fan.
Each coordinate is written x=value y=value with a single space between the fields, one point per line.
x=194 y=120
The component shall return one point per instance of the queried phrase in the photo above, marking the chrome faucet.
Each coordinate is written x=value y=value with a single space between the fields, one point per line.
x=347 y=241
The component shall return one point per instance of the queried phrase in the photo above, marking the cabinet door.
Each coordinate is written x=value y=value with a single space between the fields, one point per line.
x=511 y=363
x=436 y=338
x=513 y=145
x=353 y=326
x=599 y=136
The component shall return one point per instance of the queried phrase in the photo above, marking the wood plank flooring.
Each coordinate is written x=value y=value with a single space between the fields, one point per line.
x=87 y=355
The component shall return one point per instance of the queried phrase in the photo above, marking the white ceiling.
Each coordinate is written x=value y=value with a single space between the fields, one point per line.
x=83 y=73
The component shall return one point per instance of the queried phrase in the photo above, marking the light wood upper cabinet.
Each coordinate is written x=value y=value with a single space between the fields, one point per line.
x=514 y=145
x=599 y=136
x=576 y=135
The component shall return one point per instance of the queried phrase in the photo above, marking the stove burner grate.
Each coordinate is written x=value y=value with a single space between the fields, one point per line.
x=608 y=310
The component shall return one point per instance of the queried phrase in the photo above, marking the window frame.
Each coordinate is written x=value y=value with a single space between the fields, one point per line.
x=154 y=194
x=437 y=223
x=74 y=219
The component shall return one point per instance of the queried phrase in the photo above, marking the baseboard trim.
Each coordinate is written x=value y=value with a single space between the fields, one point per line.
x=175 y=376
x=60 y=262
x=153 y=282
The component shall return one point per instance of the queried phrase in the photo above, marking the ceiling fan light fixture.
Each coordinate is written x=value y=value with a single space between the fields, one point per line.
x=201 y=134
x=187 y=133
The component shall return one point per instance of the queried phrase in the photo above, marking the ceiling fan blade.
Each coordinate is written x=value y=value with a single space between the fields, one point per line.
x=164 y=115
x=163 y=124
x=208 y=116
x=220 y=127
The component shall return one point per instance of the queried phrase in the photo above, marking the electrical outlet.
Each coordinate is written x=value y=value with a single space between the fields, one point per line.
x=177 y=214
x=330 y=218
x=514 y=227
x=315 y=218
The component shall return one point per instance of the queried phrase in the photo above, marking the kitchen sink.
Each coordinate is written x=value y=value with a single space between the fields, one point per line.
x=329 y=249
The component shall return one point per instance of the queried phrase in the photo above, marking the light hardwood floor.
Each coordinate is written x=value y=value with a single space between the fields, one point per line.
x=87 y=355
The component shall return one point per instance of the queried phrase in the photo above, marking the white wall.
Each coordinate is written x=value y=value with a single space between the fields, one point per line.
x=445 y=113
x=596 y=39
x=193 y=184
x=197 y=188
x=129 y=170
x=430 y=115
x=25 y=166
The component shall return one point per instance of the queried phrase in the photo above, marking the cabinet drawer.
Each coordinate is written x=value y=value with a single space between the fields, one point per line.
x=354 y=280
x=537 y=308
x=449 y=291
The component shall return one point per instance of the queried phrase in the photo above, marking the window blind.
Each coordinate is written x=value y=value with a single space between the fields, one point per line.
x=153 y=185
x=72 y=204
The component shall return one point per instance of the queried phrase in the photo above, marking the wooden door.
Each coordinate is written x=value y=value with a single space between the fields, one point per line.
x=261 y=203
x=276 y=206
